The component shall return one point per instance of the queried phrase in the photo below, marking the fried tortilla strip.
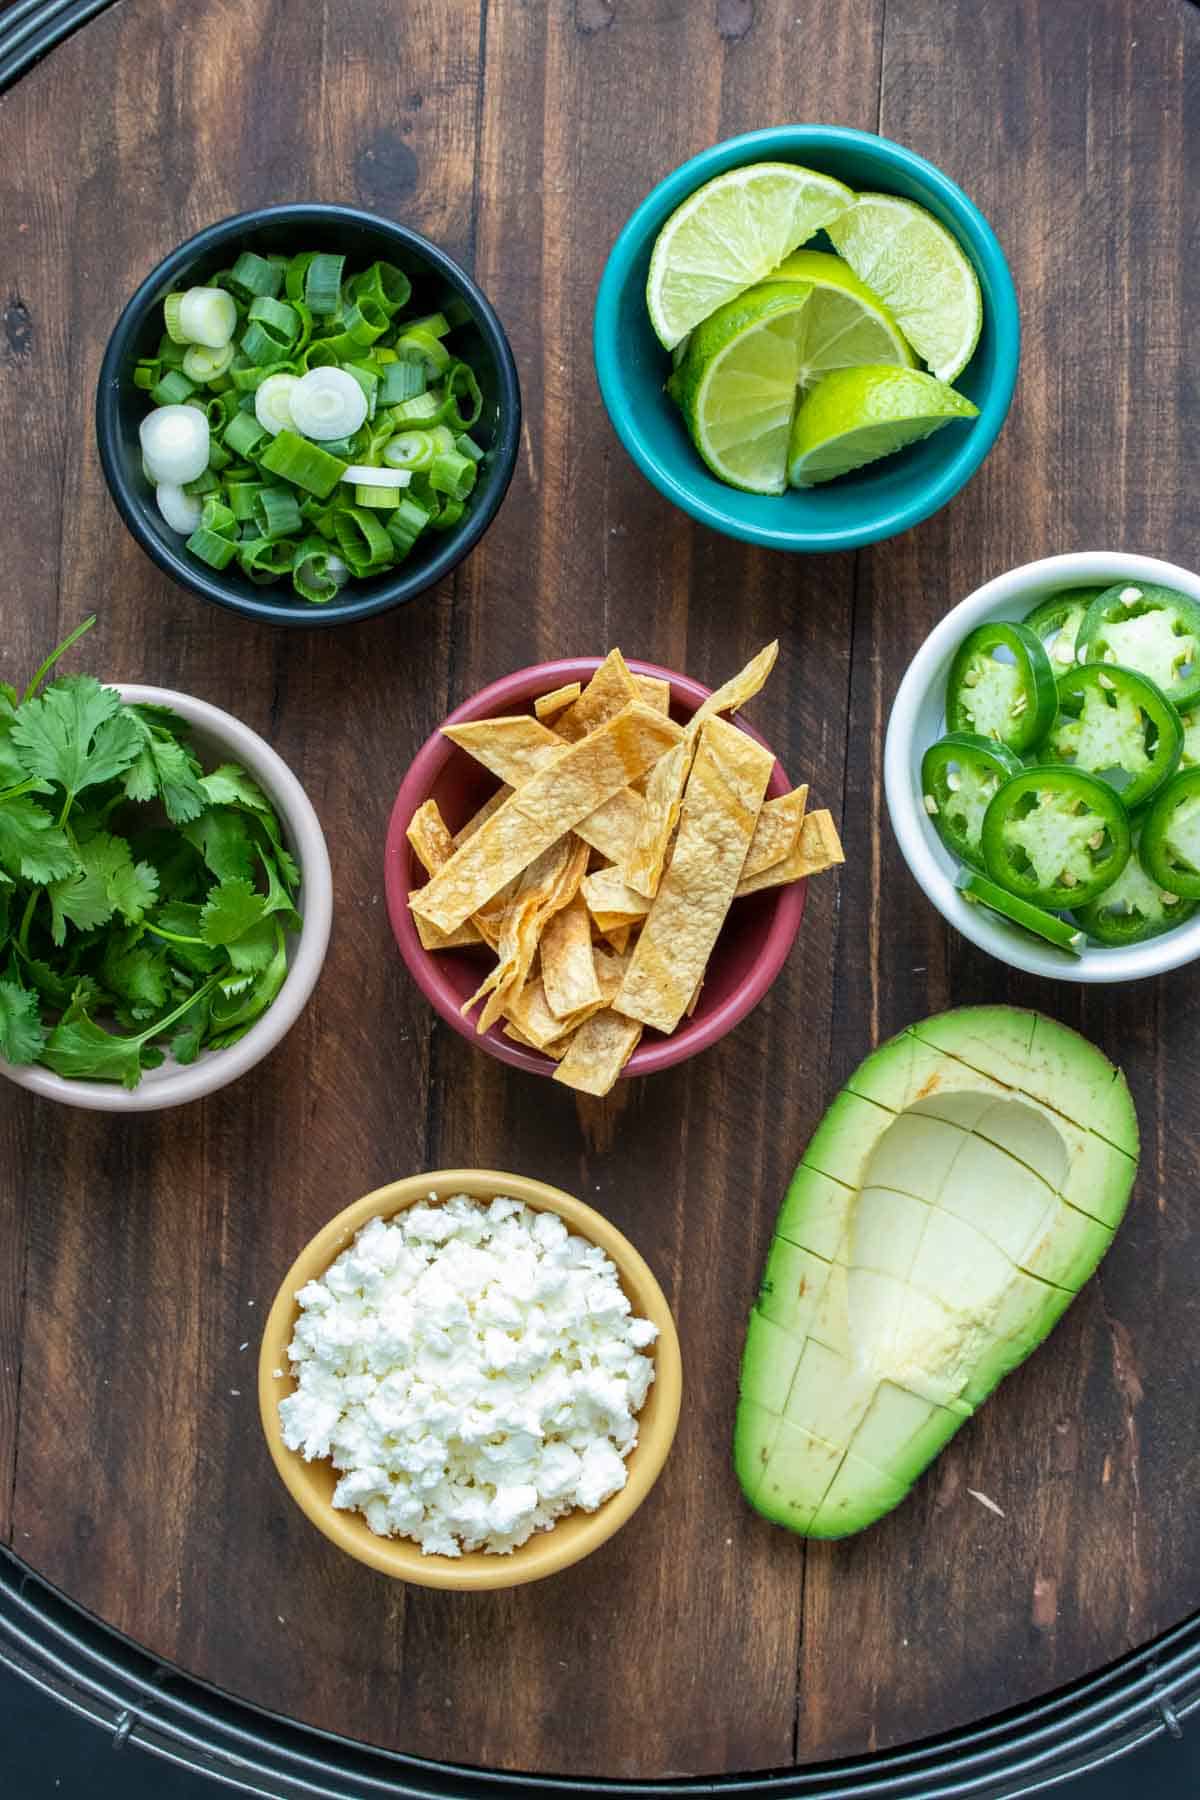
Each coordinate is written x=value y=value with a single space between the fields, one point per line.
x=611 y=688
x=721 y=804
x=432 y=845
x=654 y=691
x=617 y=937
x=741 y=687
x=598 y=1052
x=513 y=748
x=610 y=901
x=516 y=748
x=482 y=816
x=547 y=806
x=547 y=885
x=777 y=833
x=556 y=1050
x=664 y=794
x=819 y=849
x=548 y=706
x=568 y=965
x=694 y=1002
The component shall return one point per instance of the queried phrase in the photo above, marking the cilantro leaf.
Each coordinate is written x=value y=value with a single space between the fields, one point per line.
x=136 y=972
x=165 y=771
x=231 y=786
x=222 y=837
x=78 y=1047
x=288 y=869
x=231 y=1013
x=81 y=900
x=177 y=862
x=12 y=770
x=254 y=949
x=231 y=909
x=193 y=1027
x=77 y=734
x=31 y=844
x=22 y=1033
x=133 y=889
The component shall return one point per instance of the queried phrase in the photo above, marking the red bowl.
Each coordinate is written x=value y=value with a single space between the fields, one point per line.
x=749 y=953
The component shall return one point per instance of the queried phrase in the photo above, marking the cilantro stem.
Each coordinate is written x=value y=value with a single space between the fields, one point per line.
x=24 y=787
x=158 y=1026
x=53 y=657
x=172 y=937
x=26 y=922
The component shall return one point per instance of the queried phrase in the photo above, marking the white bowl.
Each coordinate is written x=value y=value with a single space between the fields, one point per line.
x=218 y=737
x=918 y=720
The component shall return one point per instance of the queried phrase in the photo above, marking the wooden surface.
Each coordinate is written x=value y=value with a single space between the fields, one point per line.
x=136 y=1259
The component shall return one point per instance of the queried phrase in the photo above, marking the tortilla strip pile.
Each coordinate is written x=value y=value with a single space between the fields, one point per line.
x=603 y=870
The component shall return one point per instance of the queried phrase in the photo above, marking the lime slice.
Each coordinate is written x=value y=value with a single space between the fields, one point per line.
x=844 y=324
x=730 y=234
x=856 y=415
x=736 y=387
x=917 y=269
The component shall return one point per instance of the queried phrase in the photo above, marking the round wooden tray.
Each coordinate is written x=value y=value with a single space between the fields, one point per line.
x=137 y=1257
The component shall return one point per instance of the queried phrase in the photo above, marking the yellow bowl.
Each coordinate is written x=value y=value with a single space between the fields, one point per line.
x=577 y=1533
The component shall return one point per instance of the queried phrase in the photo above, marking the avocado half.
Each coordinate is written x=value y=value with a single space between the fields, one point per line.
x=953 y=1200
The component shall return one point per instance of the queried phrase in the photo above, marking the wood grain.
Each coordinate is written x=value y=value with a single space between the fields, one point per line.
x=136 y=1258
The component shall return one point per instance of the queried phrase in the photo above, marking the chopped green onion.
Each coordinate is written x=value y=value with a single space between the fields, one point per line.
x=181 y=511
x=443 y=440
x=385 y=284
x=276 y=512
x=247 y=377
x=406 y=524
x=383 y=499
x=402 y=381
x=202 y=364
x=466 y=446
x=280 y=322
x=367 y=472
x=318 y=573
x=323 y=283
x=436 y=324
x=244 y=434
x=423 y=409
x=256 y=276
x=305 y=464
x=461 y=380
x=294 y=275
x=169 y=353
x=265 y=559
x=457 y=311
x=273 y=403
x=362 y=540
x=328 y=403
x=204 y=483
x=174 y=443
x=409 y=450
x=219 y=458
x=452 y=475
x=211 y=407
x=173 y=388
x=451 y=513
x=147 y=373
x=202 y=315
x=211 y=548
x=242 y=495
x=417 y=344
x=368 y=381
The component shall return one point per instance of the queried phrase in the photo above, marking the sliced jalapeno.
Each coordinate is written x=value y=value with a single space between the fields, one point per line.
x=959 y=776
x=1056 y=837
x=1152 y=629
x=1001 y=686
x=1191 y=739
x=1135 y=907
x=1056 y=620
x=1116 y=724
x=982 y=892
x=1170 y=845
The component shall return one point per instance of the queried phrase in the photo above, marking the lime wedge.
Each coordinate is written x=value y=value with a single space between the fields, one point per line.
x=854 y=416
x=917 y=269
x=845 y=325
x=730 y=234
x=736 y=387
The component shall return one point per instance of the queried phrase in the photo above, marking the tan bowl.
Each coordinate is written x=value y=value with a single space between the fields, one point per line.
x=311 y=1484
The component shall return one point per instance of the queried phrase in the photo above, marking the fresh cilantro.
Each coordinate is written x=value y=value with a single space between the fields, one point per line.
x=31 y=844
x=77 y=735
x=144 y=905
x=231 y=909
x=22 y=1033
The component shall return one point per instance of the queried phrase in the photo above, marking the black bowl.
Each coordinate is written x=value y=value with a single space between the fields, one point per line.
x=362 y=238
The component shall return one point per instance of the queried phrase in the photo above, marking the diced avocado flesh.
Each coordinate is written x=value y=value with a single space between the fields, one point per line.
x=953 y=1200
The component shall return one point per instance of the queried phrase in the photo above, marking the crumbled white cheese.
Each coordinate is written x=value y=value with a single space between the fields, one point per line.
x=473 y=1369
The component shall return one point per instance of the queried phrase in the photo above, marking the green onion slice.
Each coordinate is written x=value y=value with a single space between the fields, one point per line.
x=310 y=467
x=323 y=283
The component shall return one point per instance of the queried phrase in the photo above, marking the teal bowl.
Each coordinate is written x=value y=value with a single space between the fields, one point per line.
x=876 y=502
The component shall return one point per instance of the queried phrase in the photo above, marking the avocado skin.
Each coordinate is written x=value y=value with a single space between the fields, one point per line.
x=1030 y=1113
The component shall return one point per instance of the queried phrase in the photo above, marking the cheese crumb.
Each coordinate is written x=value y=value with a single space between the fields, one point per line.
x=473 y=1370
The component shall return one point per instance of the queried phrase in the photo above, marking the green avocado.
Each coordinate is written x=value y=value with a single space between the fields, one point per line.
x=953 y=1200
